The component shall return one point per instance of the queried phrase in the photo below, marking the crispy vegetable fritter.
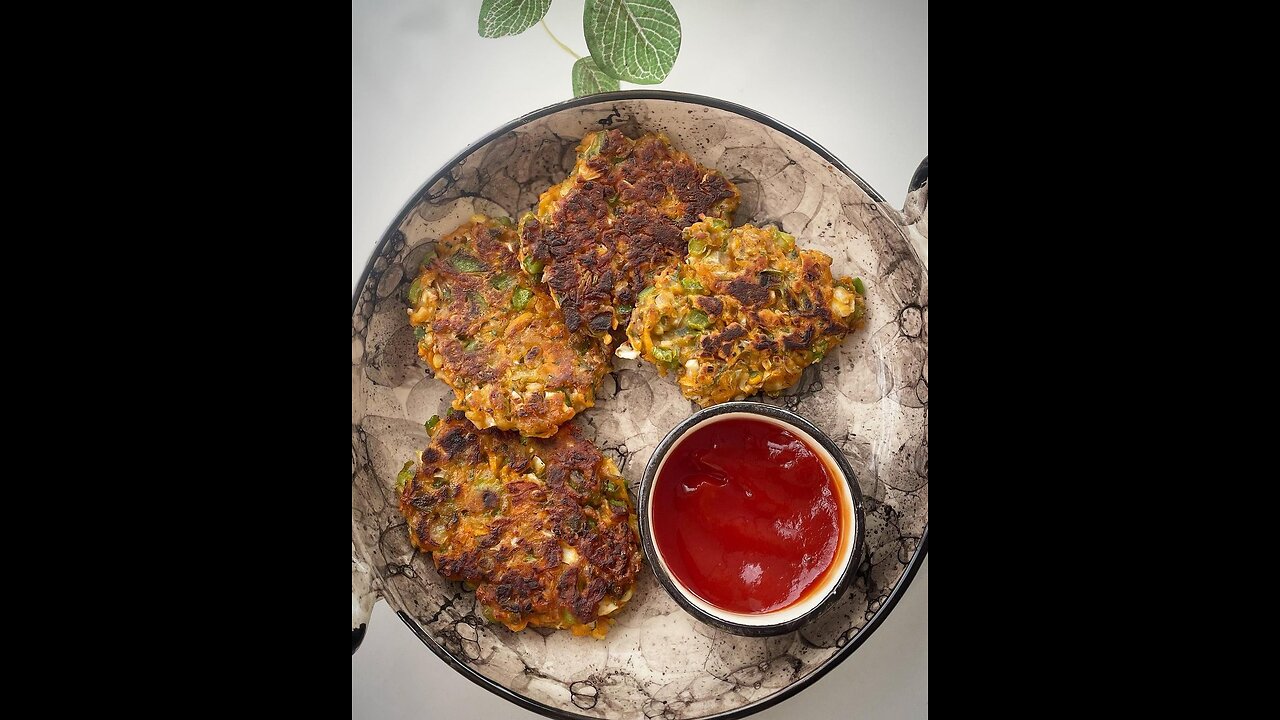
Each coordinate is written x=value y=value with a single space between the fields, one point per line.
x=616 y=220
x=543 y=529
x=496 y=337
x=747 y=311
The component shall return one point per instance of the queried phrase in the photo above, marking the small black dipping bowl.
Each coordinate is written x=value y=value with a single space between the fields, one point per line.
x=784 y=620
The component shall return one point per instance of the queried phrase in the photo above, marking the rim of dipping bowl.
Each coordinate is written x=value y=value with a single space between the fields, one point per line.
x=845 y=564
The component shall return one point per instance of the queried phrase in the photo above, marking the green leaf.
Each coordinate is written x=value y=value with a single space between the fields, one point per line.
x=632 y=40
x=857 y=285
x=499 y=18
x=589 y=79
x=431 y=423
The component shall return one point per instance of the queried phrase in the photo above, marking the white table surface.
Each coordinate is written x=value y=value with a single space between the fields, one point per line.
x=853 y=75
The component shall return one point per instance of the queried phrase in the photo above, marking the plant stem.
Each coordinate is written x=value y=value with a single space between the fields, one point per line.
x=564 y=47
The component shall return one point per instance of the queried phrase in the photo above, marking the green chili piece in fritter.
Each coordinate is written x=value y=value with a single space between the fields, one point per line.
x=594 y=149
x=786 y=241
x=427 y=258
x=664 y=355
x=466 y=263
x=533 y=267
x=819 y=349
x=405 y=475
x=520 y=298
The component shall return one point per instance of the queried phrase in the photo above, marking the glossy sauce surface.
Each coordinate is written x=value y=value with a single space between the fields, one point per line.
x=746 y=515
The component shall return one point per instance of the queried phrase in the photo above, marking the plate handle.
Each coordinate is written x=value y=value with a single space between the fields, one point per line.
x=921 y=175
x=915 y=212
x=364 y=593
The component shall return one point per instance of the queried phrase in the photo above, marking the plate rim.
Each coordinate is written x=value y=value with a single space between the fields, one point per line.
x=694 y=99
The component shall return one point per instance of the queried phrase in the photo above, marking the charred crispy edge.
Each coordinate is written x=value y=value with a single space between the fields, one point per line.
x=747 y=293
x=719 y=344
x=798 y=341
x=709 y=304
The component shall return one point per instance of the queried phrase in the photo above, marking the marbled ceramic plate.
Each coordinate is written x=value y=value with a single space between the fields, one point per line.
x=872 y=397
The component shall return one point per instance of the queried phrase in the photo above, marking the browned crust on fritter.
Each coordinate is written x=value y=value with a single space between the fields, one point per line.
x=616 y=220
x=512 y=365
x=543 y=529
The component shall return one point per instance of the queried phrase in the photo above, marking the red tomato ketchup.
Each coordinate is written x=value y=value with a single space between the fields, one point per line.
x=746 y=515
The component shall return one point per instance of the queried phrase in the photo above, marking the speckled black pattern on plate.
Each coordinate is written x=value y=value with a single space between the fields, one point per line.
x=871 y=397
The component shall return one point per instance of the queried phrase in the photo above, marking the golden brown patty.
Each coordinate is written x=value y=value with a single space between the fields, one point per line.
x=616 y=220
x=496 y=337
x=745 y=312
x=543 y=529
